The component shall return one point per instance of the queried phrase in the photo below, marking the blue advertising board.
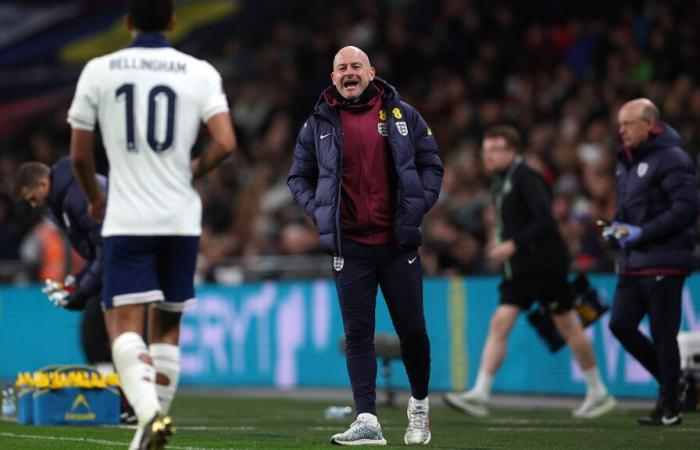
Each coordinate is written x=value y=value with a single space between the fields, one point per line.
x=286 y=334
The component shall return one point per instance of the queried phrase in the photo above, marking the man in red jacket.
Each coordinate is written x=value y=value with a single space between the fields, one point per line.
x=366 y=169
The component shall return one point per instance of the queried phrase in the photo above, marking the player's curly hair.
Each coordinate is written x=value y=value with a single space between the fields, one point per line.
x=150 y=15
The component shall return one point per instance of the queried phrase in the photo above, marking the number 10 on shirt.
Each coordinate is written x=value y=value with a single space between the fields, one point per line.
x=170 y=98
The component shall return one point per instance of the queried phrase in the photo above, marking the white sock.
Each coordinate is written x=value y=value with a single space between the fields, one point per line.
x=166 y=360
x=482 y=387
x=137 y=377
x=423 y=402
x=594 y=384
x=369 y=418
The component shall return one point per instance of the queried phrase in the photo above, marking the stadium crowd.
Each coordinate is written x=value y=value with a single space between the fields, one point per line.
x=558 y=73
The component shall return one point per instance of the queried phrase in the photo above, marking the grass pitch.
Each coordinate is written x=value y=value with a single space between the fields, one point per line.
x=206 y=422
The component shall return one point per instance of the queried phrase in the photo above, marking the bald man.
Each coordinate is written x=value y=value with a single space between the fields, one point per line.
x=366 y=169
x=657 y=207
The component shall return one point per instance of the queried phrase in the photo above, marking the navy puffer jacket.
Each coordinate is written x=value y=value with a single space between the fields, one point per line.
x=68 y=210
x=315 y=176
x=658 y=191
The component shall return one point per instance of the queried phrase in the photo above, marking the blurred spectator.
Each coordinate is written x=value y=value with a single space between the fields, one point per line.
x=560 y=73
x=47 y=250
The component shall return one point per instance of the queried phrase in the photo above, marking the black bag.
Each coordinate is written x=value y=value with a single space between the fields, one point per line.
x=588 y=303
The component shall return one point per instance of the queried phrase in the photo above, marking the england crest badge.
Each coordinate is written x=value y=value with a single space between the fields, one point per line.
x=642 y=169
x=338 y=263
x=403 y=128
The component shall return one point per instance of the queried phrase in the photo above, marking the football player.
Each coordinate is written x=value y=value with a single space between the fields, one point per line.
x=149 y=100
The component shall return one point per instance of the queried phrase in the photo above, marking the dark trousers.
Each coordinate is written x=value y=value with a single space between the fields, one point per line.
x=93 y=333
x=400 y=276
x=660 y=298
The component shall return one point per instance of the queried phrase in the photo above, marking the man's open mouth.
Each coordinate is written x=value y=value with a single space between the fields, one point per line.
x=350 y=83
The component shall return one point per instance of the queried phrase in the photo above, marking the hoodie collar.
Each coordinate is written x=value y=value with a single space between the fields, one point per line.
x=387 y=92
x=661 y=136
x=150 y=40
x=371 y=95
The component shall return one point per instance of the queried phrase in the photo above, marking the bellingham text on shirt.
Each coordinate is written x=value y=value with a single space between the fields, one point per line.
x=155 y=65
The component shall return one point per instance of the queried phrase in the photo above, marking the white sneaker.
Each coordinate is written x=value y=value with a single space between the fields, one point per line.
x=468 y=403
x=364 y=431
x=593 y=407
x=418 y=431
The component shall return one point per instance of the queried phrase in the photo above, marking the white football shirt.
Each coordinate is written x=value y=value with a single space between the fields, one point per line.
x=150 y=103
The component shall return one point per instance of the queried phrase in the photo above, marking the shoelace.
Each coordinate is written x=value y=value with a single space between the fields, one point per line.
x=418 y=418
x=359 y=426
x=355 y=424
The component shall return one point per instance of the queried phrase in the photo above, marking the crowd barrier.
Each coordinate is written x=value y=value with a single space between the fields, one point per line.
x=286 y=334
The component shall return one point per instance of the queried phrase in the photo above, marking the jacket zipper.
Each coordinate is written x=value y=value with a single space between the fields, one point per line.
x=390 y=120
x=339 y=148
x=623 y=192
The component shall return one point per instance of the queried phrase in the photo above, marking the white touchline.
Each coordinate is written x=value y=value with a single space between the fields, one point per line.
x=104 y=442
x=547 y=429
x=569 y=430
x=68 y=439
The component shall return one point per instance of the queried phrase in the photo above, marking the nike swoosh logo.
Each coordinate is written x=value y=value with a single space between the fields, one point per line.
x=410 y=261
x=659 y=278
x=323 y=136
x=670 y=420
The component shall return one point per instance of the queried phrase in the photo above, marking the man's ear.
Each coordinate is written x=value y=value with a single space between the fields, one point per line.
x=372 y=73
x=171 y=23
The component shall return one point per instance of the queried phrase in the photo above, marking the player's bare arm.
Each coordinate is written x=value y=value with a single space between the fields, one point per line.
x=83 y=162
x=223 y=144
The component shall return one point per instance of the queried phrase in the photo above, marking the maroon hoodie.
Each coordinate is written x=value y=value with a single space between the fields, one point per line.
x=368 y=177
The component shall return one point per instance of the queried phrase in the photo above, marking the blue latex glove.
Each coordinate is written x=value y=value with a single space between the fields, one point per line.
x=630 y=235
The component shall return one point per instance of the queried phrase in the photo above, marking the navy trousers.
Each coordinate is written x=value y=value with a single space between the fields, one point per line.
x=400 y=276
x=93 y=333
x=660 y=298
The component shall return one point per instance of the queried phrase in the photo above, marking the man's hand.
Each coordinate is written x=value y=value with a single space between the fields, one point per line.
x=500 y=252
x=51 y=286
x=625 y=234
x=632 y=234
x=63 y=293
x=59 y=298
